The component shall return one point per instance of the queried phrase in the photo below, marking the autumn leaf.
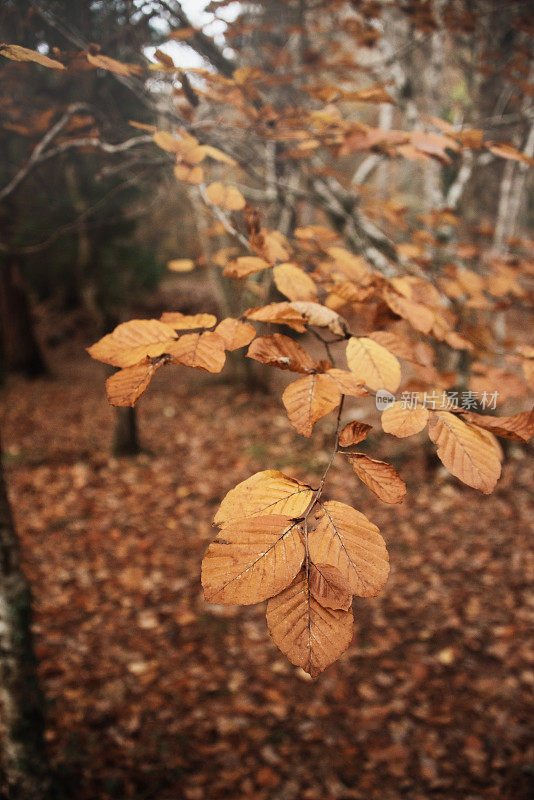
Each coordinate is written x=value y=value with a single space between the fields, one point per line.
x=112 y=65
x=132 y=341
x=266 y=492
x=252 y=559
x=419 y=316
x=353 y=433
x=282 y=352
x=320 y=316
x=218 y=155
x=125 y=387
x=346 y=539
x=227 y=197
x=329 y=586
x=16 y=52
x=401 y=420
x=188 y=322
x=380 y=477
x=346 y=382
x=280 y=314
x=181 y=265
x=199 y=350
x=294 y=283
x=504 y=150
x=375 y=366
x=235 y=333
x=520 y=427
x=466 y=451
x=310 y=635
x=309 y=399
x=187 y=173
x=244 y=266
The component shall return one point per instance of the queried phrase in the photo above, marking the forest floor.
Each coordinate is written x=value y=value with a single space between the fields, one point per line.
x=154 y=694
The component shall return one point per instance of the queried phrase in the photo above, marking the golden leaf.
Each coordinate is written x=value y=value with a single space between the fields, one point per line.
x=181 y=265
x=218 y=155
x=244 y=266
x=419 y=316
x=293 y=282
x=125 y=387
x=188 y=322
x=282 y=352
x=379 y=476
x=252 y=559
x=320 y=316
x=189 y=174
x=235 y=333
x=199 y=350
x=329 y=586
x=520 y=427
x=280 y=314
x=353 y=433
x=346 y=539
x=132 y=341
x=16 y=52
x=112 y=65
x=466 y=451
x=266 y=492
x=402 y=421
x=227 y=197
x=311 y=636
x=347 y=383
x=309 y=399
x=375 y=366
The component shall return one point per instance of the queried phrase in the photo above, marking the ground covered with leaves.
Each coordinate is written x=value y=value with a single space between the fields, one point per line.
x=152 y=693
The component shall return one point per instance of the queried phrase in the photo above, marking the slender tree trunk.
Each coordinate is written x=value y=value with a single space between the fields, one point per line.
x=24 y=772
x=20 y=349
x=125 y=437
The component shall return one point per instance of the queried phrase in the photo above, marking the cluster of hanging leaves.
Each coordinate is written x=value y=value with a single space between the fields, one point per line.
x=279 y=541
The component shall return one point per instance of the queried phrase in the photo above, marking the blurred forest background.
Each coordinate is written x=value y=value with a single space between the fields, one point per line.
x=149 y=691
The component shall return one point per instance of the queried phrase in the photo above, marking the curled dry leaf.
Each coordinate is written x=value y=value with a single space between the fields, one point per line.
x=379 y=476
x=252 y=559
x=520 y=427
x=125 y=387
x=311 y=636
x=280 y=314
x=188 y=322
x=133 y=341
x=465 y=450
x=402 y=421
x=112 y=65
x=235 y=333
x=16 y=52
x=244 y=266
x=373 y=365
x=266 y=492
x=294 y=283
x=309 y=399
x=354 y=433
x=320 y=316
x=282 y=352
x=346 y=539
x=225 y=196
x=329 y=586
x=199 y=350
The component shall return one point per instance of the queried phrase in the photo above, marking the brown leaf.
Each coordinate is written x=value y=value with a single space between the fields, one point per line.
x=466 y=451
x=373 y=365
x=380 y=477
x=504 y=150
x=278 y=313
x=402 y=421
x=225 y=196
x=520 y=427
x=133 y=341
x=252 y=559
x=329 y=586
x=419 y=316
x=112 y=65
x=294 y=283
x=346 y=539
x=188 y=322
x=244 y=266
x=309 y=399
x=199 y=350
x=235 y=333
x=266 y=492
x=181 y=265
x=282 y=352
x=125 y=387
x=189 y=174
x=311 y=636
x=320 y=316
x=346 y=382
x=16 y=52
x=354 y=433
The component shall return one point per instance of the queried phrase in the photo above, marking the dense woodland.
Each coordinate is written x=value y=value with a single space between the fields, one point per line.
x=266 y=290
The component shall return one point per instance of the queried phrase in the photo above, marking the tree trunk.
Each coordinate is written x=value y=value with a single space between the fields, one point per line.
x=24 y=772
x=125 y=438
x=20 y=349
